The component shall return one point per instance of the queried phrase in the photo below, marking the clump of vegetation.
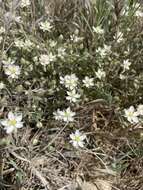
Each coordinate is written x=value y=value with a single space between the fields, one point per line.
x=71 y=86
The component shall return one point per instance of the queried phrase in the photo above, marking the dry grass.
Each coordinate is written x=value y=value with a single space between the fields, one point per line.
x=112 y=156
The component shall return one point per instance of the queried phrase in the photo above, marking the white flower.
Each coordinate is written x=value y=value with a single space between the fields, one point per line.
x=77 y=139
x=2 y=30
x=107 y=48
x=46 y=26
x=53 y=43
x=98 y=30
x=88 y=82
x=126 y=64
x=72 y=96
x=28 y=44
x=75 y=38
x=47 y=59
x=131 y=115
x=12 y=123
x=119 y=37
x=65 y=115
x=122 y=77
x=58 y=115
x=61 y=52
x=2 y=85
x=70 y=81
x=25 y=3
x=19 y=43
x=100 y=74
x=8 y=62
x=13 y=71
x=140 y=109
x=104 y=51
x=139 y=13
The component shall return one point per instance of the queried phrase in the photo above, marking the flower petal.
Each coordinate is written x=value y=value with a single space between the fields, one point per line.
x=11 y=116
x=19 y=125
x=9 y=129
x=4 y=122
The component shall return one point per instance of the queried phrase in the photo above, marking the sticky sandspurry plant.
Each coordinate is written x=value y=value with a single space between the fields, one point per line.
x=12 y=123
x=58 y=66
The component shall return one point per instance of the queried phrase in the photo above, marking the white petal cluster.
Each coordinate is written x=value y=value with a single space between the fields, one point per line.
x=100 y=74
x=72 y=96
x=64 y=115
x=88 y=82
x=25 y=44
x=133 y=115
x=75 y=38
x=25 y=3
x=139 y=13
x=46 y=26
x=19 y=43
x=12 y=70
x=2 y=30
x=119 y=37
x=61 y=52
x=138 y=10
x=47 y=59
x=69 y=81
x=2 y=85
x=140 y=109
x=98 y=30
x=126 y=64
x=106 y=50
x=77 y=139
x=13 y=122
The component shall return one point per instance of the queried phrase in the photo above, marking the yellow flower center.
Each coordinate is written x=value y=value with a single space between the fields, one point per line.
x=130 y=114
x=77 y=138
x=13 y=70
x=12 y=122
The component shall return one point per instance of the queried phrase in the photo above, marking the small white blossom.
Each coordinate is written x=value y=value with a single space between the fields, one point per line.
x=139 y=13
x=107 y=48
x=72 y=96
x=13 y=71
x=131 y=115
x=64 y=115
x=104 y=51
x=140 y=109
x=28 y=44
x=2 y=85
x=46 y=26
x=19 y=43
x=47 y=59
x=98 y=30
x=67 y=115
x=70 y=81
x=61 y=52
x=119 y=37
x=122 y=77
x=126 y=64
x=12 y=123
x=25 y=3
x=2 y=30
x=58 y=115
x=53 y=43
x=75 y=38
x=100 y=74
x=77 y=139
x=88 y=82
